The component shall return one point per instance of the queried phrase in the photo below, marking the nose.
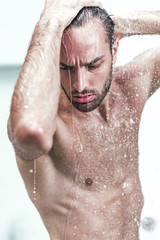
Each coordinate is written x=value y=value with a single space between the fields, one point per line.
x=80 y=80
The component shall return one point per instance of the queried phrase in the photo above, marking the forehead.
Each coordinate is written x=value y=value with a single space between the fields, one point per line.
x=84 y=42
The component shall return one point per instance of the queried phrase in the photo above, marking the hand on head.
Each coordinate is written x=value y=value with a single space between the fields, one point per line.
x=67 y=10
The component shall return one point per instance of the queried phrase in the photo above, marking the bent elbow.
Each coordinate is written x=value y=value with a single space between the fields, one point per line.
x=30 y=140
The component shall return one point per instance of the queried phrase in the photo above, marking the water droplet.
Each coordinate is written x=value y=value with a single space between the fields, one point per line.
x=34 y=181
x=21 y=88
x=125 y=185
x=117 y=124
x=25 y=106
x=131 y=121
x=80 y=148
x=148 y=224
x=40 y=130
x=105 y=186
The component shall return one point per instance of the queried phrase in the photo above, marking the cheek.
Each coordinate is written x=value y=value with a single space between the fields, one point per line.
x=66 y=80
x=100 y=77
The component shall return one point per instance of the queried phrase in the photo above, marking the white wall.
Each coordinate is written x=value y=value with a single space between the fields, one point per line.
x=18 y=18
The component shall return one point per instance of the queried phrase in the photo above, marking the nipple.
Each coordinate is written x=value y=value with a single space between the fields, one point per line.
x=88 y=182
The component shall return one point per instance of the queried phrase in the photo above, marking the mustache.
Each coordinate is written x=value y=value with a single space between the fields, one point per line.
x=85 y=91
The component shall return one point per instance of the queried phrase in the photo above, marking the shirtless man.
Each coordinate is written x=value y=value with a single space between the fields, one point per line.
x=82 y=137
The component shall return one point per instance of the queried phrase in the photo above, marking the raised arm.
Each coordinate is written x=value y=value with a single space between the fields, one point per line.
x=137 y=23
x=148 y=62
x=33 y=116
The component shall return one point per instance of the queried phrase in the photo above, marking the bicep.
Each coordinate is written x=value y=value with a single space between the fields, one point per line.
x=149 y=62
x=144 y=70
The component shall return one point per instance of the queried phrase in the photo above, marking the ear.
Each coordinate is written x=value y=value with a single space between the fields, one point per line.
x=115 y=50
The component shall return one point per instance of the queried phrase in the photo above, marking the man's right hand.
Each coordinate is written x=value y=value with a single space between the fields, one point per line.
x=65 y=11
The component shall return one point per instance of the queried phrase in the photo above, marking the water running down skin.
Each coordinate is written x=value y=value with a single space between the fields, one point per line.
x=87 y=182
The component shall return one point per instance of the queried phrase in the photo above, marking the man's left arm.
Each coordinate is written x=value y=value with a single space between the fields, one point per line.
x=137 y=23
x=142 y=23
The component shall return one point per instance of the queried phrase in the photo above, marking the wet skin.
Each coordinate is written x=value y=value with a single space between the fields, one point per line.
x=88 y=185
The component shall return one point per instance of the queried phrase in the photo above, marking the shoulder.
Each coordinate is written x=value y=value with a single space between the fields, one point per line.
x=137 y=74
x=139 y=65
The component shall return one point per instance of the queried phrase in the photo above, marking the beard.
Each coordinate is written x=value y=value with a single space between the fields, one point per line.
x=92 y=105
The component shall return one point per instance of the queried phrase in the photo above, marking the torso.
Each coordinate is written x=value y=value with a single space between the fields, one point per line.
x=88 y=186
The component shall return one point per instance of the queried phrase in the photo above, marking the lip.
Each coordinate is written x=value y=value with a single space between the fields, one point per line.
x=83 y=98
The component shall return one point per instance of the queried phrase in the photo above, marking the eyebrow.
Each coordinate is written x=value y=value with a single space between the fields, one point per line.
x=85 y=64
x=94 y=60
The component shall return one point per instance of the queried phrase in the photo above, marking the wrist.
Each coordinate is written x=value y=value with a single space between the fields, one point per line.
x=50 y=25
x=56 y=19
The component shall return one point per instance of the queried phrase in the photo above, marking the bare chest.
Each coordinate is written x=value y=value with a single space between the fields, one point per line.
x=100 y=154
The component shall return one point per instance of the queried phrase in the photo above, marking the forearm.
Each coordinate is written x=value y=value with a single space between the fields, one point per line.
x=35 y=100
x=33 y=118
x=137 y=23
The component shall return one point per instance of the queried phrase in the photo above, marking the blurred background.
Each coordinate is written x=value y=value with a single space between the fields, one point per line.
x=19 y=220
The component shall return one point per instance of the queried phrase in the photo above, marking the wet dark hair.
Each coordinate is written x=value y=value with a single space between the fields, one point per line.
x=88 y=13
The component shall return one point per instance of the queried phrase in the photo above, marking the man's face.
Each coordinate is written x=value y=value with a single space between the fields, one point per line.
x=86 y=65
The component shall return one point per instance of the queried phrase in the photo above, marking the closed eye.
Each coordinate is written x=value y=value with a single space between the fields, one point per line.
x=66 y=68
x=92 y=67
